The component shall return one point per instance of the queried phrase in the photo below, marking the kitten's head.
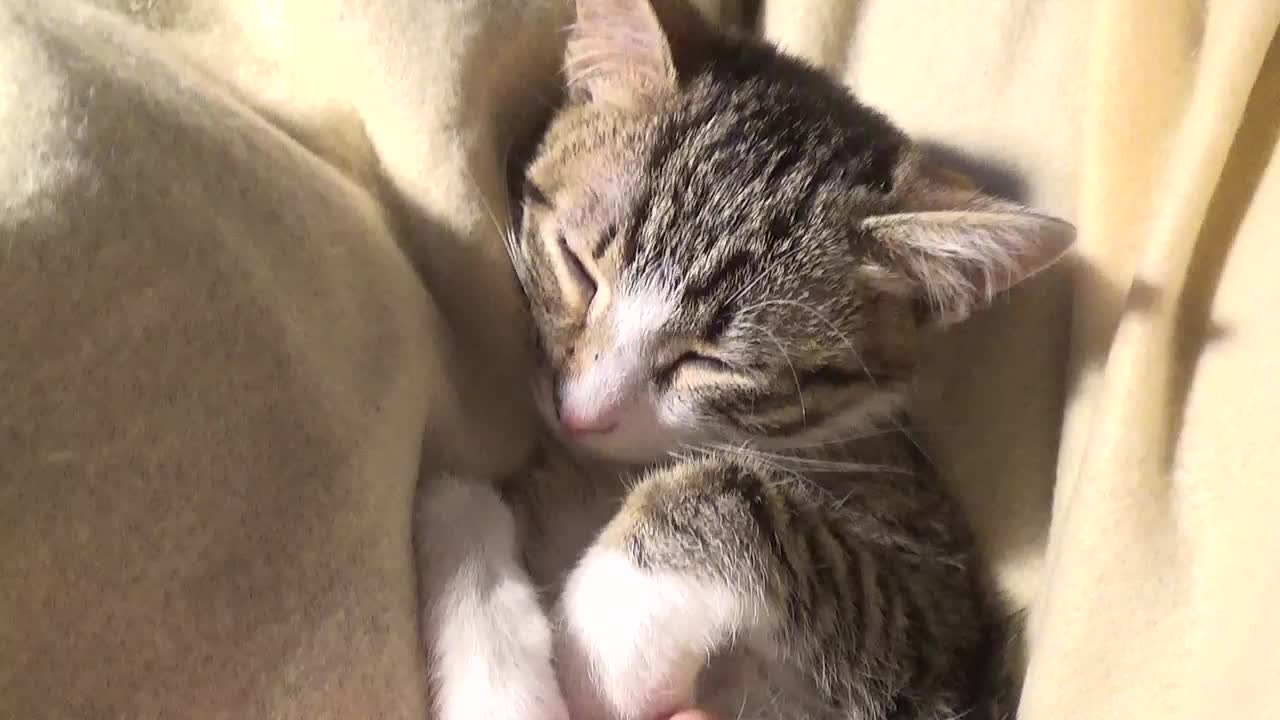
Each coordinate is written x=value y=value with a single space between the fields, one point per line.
x=720 y=244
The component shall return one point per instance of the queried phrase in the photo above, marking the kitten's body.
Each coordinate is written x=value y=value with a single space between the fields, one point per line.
x=848 y=593
x=841 y=575
x=730 y=264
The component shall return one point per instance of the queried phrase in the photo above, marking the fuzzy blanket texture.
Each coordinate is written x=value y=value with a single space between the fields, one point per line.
x=251 y=289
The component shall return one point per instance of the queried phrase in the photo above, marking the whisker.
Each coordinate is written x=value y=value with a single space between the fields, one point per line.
x=795 y=376
x=852 y=351
x=751 y=285
x=506 y=232
x=781 y=461
x=843 y=439
x=743 y=451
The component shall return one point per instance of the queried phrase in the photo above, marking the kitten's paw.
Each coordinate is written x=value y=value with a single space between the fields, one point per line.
x=488 y=640
x=633 y=641
x=510 y=696
x=495 y=660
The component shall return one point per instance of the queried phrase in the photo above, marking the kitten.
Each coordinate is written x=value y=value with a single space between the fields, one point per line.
x=730 y=265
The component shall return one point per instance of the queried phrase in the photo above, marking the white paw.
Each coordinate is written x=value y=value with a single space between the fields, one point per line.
x=494 y=658
x=633 y=642
x=488 y=639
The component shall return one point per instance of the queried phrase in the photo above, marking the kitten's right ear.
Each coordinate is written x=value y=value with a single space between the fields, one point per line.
x=955 y=248
x=630 y=53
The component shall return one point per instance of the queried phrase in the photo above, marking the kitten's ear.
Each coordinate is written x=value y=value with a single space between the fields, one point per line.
x=962 y=247
x=630 y=53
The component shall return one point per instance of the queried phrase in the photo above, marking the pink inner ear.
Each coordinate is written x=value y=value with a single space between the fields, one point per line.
x=618 y=51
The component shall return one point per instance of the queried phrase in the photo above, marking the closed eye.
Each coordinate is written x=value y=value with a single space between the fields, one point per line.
x=578 y=270
x=691 y=360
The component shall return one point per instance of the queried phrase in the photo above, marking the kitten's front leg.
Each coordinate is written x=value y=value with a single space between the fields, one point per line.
x=676 y=576
x=810 y=609
x=487 y=640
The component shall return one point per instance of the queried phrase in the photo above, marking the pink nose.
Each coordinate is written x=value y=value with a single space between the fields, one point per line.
x=588 y=422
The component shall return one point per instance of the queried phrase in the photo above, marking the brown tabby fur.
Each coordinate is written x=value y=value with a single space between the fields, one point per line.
x=784 y=214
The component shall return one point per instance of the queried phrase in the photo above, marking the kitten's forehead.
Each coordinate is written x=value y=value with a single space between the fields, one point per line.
x=603 y=189
x=640 y=313
x=742 y=189
x=756 y=167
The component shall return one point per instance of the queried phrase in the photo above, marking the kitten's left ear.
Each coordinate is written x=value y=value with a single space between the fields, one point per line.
x=630 y=53
x=963 y=247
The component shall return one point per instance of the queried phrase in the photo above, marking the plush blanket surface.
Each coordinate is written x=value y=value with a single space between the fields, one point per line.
x=251 y=289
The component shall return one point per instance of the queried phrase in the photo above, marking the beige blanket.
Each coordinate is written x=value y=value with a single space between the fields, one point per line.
x=251 y=287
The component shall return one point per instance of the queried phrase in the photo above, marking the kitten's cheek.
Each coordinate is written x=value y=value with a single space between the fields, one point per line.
x=676 y=413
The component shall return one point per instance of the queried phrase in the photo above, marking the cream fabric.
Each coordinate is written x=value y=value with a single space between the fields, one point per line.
x=250 y=288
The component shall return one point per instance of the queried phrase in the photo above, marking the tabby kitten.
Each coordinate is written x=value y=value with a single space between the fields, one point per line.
x=730 y=266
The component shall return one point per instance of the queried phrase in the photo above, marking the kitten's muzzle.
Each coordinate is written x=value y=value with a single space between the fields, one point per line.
x=584 y=421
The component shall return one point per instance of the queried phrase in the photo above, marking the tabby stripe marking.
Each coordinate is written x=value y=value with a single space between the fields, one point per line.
x=605 y=241
x=853 y=596
x=919 y=633
x=822 y=579
x=833 y=567
x=872 y=600
x=535 y=194
x=631 y=239
x=795 y=529
x=704 y=286
x=783 y=163
x=896 y=630
x=751 y=488
x=833 y=376
x=719 y=323
x=785 y=395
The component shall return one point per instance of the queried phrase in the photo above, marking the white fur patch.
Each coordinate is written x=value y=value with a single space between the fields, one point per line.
x=638 y=315
x=633 y=642
x=619 y=383
x=486 y=636
x=624 y=367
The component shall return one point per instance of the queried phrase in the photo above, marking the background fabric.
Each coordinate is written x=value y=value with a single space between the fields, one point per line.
x=251 y=288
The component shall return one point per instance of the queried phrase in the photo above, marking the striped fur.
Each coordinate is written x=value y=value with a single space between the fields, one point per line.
x=736 y=261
